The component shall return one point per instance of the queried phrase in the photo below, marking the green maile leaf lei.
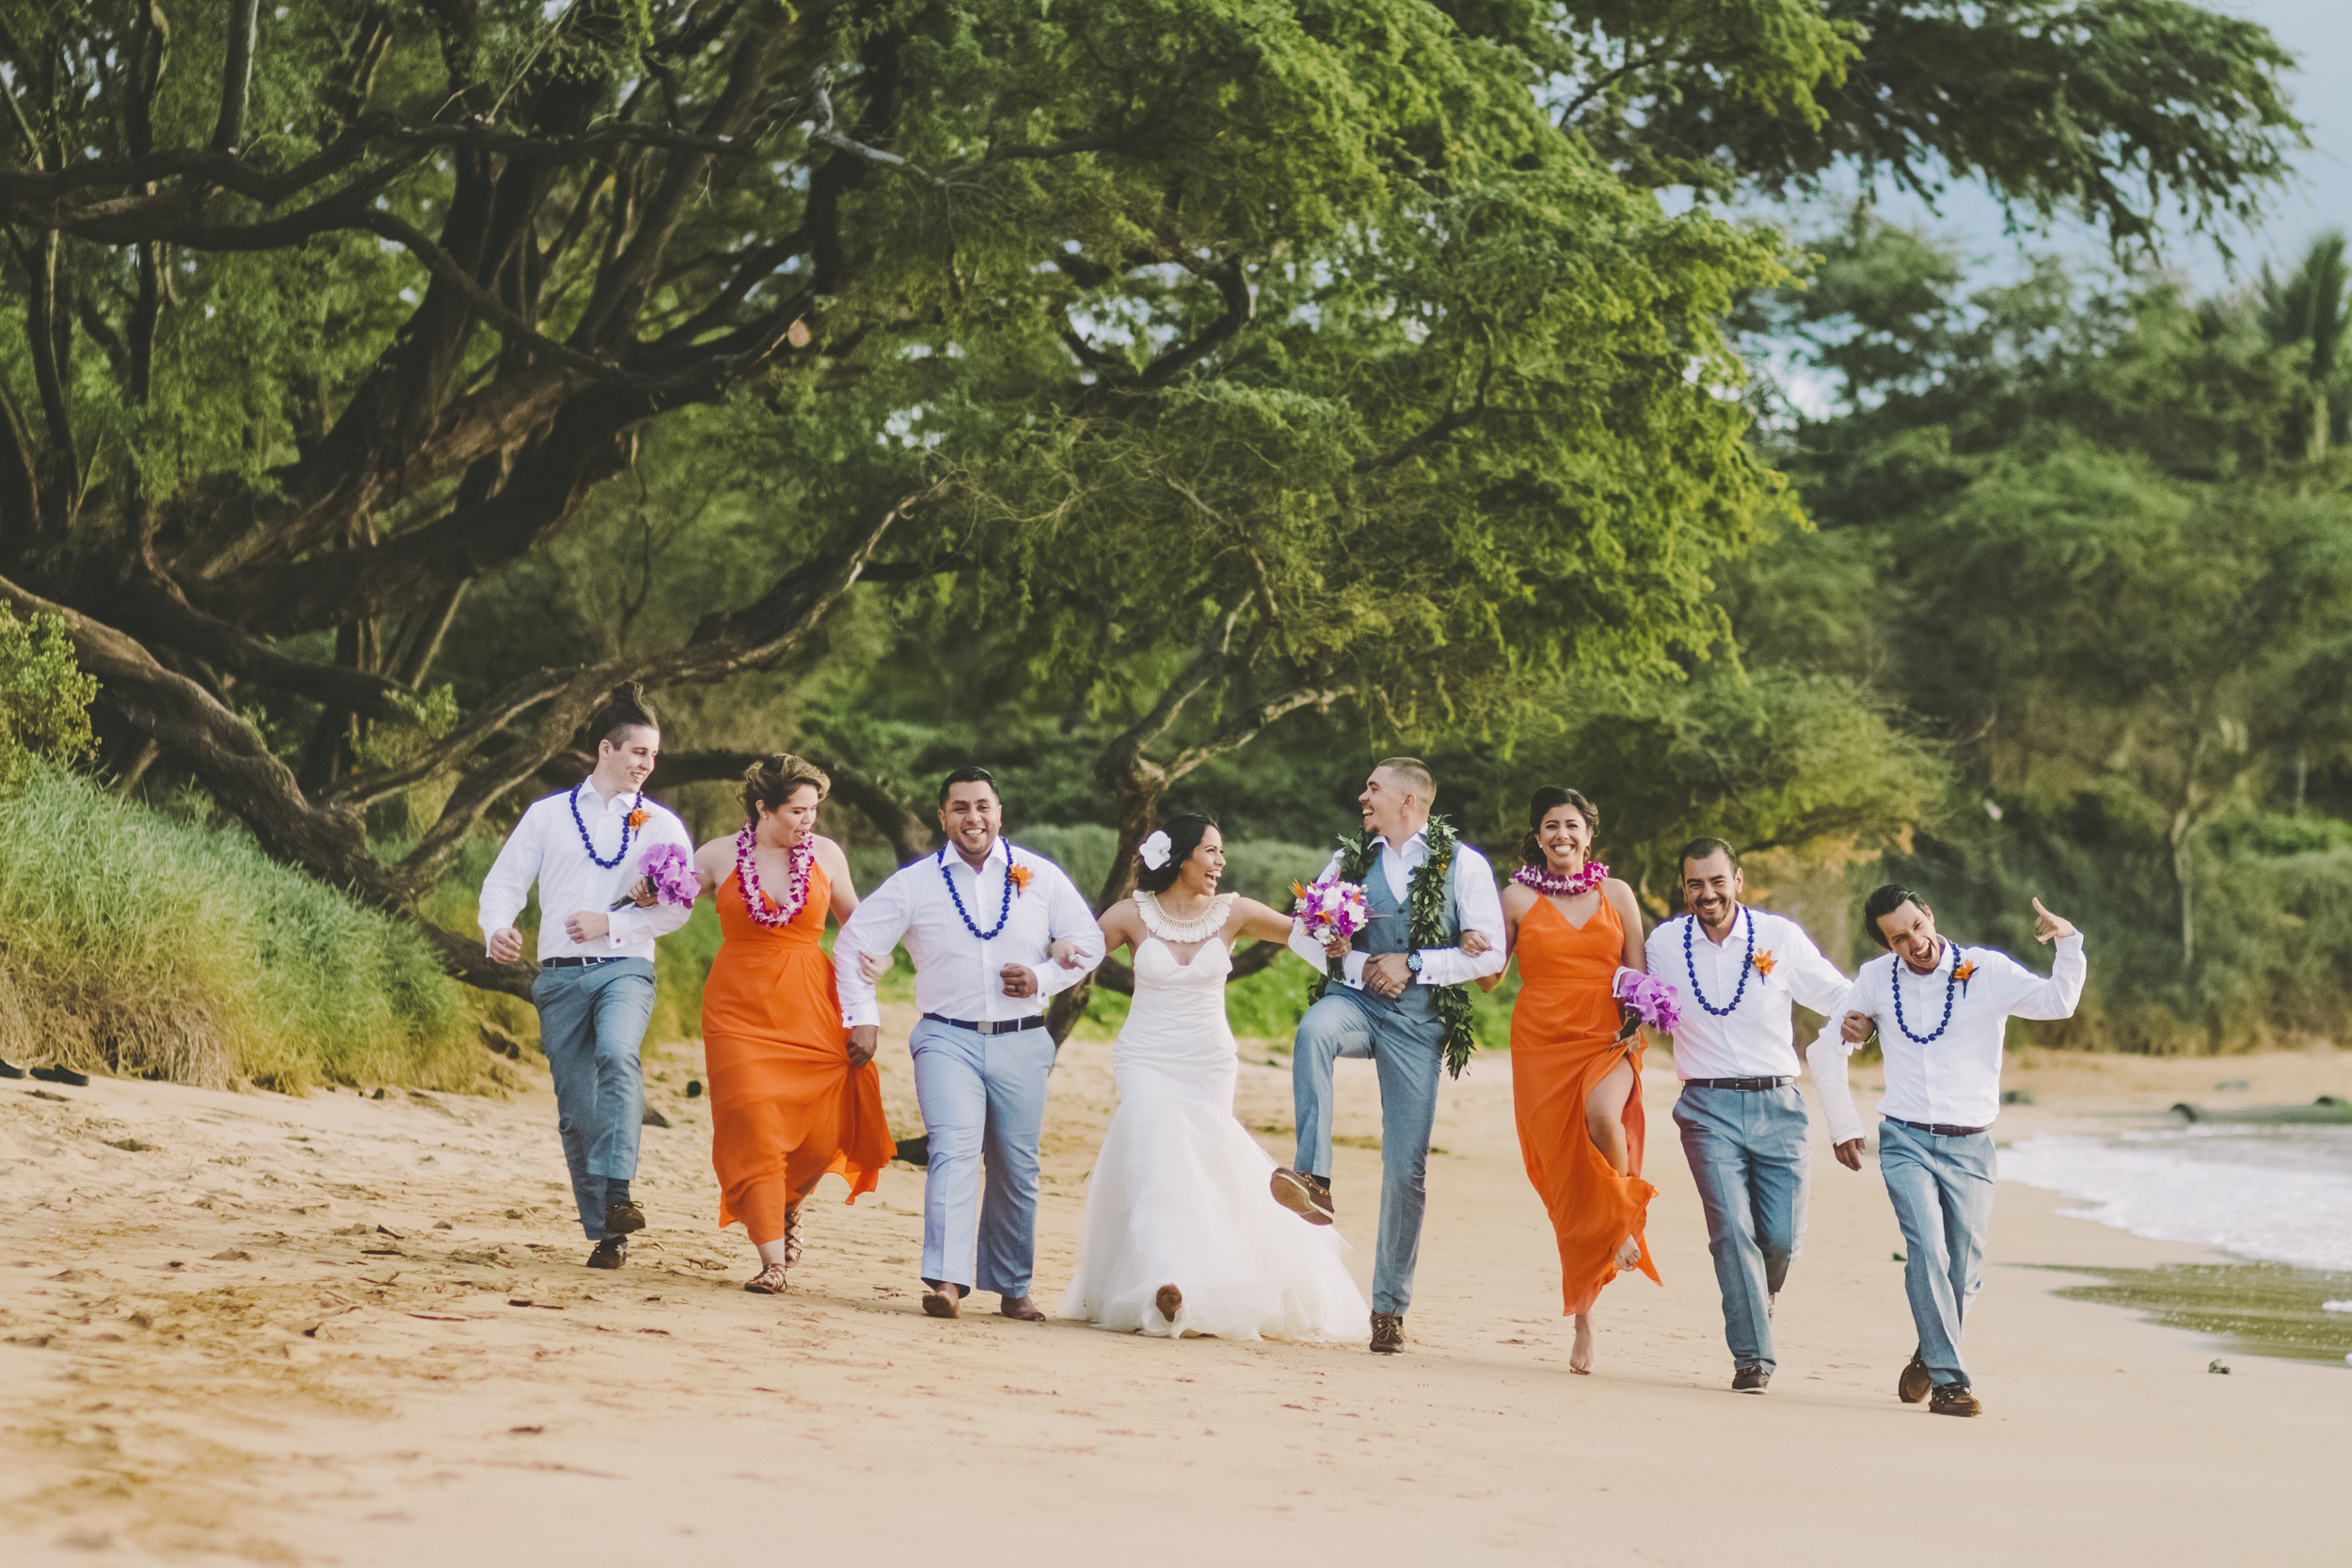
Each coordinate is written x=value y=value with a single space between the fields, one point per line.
x=1425 y=927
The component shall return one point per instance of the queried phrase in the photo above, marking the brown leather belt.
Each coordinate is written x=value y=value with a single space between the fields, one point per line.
x=991 y=1027
x=1939 y=1129
x=1737 y=1082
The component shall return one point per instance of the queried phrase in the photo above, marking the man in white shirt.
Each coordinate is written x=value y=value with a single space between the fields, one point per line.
x=1384 y=1006
x=586 y=848
x=1941 y=1012
x=1744 y=1129
x=981 y=920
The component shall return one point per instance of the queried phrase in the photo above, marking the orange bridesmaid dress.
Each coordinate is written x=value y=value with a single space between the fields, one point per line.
x=784 y=1106
x=1563 y=1030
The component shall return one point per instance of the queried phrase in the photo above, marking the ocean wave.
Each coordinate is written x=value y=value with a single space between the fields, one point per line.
x=2282 y=1194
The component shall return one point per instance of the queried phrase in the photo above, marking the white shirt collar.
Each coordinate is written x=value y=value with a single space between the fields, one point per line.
x=1420 y=837
x=1729 y=936
x=588 y=787
x=948 y=851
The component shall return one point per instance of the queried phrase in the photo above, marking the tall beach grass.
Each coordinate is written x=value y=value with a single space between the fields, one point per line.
x=138 y=943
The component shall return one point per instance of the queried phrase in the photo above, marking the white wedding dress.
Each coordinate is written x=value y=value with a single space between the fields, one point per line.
x=1179 y=1191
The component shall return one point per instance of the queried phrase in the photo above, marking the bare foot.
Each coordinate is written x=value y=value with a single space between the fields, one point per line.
x=1630 y=1255
x=944 y=1301
x=1020 y=1307
x=1580 y=1354
x=1169 y=1300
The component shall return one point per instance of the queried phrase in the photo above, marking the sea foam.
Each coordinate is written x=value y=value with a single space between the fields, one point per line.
x=2279 y=1193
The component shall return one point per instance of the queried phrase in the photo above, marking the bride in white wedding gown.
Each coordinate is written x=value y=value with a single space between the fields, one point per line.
x=1182 y=1233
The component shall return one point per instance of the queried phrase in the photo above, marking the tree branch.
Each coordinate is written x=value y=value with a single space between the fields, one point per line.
x=236 y=75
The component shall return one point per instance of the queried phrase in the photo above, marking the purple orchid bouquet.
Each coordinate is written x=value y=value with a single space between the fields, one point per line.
x=669 y=872
x=1330 y=907
x=1646 y=999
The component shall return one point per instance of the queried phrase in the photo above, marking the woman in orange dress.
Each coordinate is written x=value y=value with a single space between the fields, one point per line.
x=1576 y=1086
x=790 y=1098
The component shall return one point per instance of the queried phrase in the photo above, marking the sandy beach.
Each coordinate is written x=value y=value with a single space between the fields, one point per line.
x=351 y=1330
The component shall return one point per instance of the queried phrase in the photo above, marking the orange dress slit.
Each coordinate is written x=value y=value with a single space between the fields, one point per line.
x=786 y=1107
x=1563 y=1042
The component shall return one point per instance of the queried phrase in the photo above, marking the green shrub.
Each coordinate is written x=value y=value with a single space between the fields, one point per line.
x=44 y=697
x=151 y=947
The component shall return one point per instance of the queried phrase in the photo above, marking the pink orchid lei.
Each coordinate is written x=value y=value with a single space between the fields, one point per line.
x=757 y=903
x=1553 y=884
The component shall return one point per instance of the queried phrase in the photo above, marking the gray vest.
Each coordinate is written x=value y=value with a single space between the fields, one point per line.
x=1385 y=932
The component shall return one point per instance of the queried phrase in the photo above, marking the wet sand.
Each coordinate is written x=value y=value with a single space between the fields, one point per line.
x=342 y=1330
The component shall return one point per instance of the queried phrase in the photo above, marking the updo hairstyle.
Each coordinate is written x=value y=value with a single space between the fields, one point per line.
x=625 y=709
x=1184 y=833
x=1540 y=805
x=771 y=782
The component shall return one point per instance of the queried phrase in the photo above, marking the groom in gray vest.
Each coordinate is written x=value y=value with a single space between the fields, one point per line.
x=1385 y=1003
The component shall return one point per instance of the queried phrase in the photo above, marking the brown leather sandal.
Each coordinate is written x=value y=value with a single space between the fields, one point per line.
x=769 y=1281
x=793 y=1238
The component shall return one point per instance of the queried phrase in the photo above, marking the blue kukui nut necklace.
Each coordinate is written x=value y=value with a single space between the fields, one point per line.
x=1951 y=981
x=1003 y=914
x=1690 y=924
x=618 y=855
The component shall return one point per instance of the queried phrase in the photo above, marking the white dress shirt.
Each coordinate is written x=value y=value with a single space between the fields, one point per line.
x=956 y=973
x=1473 y=889
x=1758 y=1038
x=545 y=847
x=1953 y=1079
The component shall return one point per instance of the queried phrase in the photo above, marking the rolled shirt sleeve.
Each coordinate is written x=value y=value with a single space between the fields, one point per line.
x=1826 y=1058
x=876 y=927
x=507 y=888
x=2021 y=993
x=1066 y=915
x=1482 y=912
x=1813 y=980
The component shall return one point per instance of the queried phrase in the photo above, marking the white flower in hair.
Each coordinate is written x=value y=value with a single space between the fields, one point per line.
x=1155 y=849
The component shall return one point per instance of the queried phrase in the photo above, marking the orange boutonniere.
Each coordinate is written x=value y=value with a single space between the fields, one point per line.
x=1961 y=972
x=1021 y=876
x=637 y=818
x=1764 y=962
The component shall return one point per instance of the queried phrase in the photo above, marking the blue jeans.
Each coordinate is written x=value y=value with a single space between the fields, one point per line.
x=984 y=1098
x=1942 y=1189
x=1404 y=1044
x=1751 y=1155
x=590 y=1022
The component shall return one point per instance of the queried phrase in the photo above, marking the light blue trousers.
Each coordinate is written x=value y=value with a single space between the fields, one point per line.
x=1942 y=1189
x=983 y=1100
x=1751 y=1155
x=591 y=1022
x=1405 y=1045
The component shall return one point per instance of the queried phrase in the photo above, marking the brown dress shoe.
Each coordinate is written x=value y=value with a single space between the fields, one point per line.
x=622 y=1218
x=1953 y=1399
x=1387 y=1333
x=1751 y=1380
x=1308 y=1197
x=610 y=1253
x=1913 y=1386
x=1169 y=1300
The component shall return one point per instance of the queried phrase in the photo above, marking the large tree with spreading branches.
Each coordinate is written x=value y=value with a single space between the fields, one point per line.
x=1262 y=352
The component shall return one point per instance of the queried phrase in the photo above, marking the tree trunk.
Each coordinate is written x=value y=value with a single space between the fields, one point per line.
x=2183 y=825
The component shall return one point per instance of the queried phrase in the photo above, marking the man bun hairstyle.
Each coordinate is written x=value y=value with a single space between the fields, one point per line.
x=1706 y=849
x=625 y=709
x=1184 y=833
x=1540 y=805
x=1885 y=901
x=969 y=775
x=1415 y=773
x=771 y=782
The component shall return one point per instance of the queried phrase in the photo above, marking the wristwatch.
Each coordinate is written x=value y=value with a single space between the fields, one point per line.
x=1412 y=962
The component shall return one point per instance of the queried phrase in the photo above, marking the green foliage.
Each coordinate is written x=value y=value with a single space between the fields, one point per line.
x=44 y=697
x=2078 y=540
x=136 y=944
